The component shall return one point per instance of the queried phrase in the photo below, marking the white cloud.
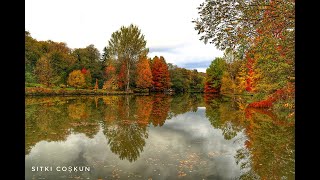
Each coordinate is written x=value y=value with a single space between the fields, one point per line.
x=79 y=23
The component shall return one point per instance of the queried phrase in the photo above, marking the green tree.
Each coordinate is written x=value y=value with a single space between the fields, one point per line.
x=61 y=59
x=196 y=81
x=89 y=58
x=44 y=71
x=127 y=45
x=32 y=55
x=87 y=77
x=180 y=79
x=214 y=75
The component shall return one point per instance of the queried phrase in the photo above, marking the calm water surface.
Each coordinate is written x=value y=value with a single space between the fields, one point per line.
x=156 y=137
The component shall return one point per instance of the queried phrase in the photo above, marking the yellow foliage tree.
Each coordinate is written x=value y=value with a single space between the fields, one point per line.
x=241 y=79
x=110 y=84
x=76 y=79
x=44 y=71
x=227 y=84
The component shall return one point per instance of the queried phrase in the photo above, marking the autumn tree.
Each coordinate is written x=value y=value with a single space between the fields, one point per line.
x=160 y=74
x=110 y=77
x=122 y=79
x=77 y=79
x=126 y=46
x=58 y=53
x=229 y=81
x=44 y=71
x=144 y=74
x=262 y=32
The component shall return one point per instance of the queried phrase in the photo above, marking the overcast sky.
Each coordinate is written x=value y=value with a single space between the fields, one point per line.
x=166 y=25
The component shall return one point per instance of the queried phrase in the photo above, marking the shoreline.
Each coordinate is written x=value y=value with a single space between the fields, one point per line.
x=42 y=91
x=39 y=91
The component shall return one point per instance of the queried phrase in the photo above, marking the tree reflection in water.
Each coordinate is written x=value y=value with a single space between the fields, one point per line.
x=160 y=109
x=45 y=119
x=268 y=152
x=127 y=130
x=54 y=118
x=224 y=115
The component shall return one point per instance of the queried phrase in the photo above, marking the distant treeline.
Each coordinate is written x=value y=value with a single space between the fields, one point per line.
x=123 y=66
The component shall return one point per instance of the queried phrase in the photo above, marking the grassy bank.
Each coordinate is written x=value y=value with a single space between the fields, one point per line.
x=43 y=91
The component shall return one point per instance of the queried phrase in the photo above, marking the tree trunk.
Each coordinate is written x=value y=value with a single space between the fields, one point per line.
x=128 y=76
x=128 y=106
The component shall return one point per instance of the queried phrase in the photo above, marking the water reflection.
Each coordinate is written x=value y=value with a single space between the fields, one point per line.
x=225 y=115
x=269 y=151
x=200 y=137
x=125 y=131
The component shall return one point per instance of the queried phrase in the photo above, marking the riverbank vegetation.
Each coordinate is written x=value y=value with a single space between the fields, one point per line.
x=258 y=39
x=122 y=67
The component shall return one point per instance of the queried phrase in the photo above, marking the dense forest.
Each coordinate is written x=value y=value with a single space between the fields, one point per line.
x=123 y=66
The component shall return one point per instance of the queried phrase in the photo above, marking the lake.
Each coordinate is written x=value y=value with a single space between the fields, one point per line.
x=186 y=136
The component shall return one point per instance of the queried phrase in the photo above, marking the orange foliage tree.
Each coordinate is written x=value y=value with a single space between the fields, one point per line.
x=111 y=79
x=250 y=73
x=144 y=74
x=160 y=74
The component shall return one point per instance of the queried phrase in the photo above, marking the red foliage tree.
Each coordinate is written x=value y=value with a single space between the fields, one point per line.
x=209 y=89
x=84 y=70
x=122 y=78
x=279 y=94
x=160 y=74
